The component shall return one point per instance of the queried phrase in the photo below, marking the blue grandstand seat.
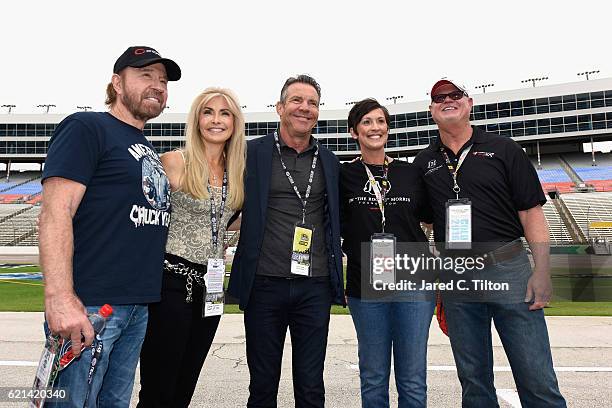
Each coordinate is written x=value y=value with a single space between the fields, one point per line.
x=594 y=173
x=4 y=186
x=28 y=188
x=553 y=176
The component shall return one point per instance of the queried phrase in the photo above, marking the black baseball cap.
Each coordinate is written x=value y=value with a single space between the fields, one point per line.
x=141 y=56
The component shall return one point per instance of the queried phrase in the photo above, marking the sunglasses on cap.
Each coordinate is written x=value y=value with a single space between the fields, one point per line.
x=455 y=96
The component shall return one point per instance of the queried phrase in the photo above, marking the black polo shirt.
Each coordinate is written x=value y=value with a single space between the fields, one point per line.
x=496 y=176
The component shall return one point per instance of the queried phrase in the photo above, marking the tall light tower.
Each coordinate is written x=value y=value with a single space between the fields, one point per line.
x=47 y=106
x=484 y=87
x=587 y=73
x=534 y=80
x=395 y=98
x=9 y=106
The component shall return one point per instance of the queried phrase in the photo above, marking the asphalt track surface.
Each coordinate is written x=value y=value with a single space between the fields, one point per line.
x=581 y=346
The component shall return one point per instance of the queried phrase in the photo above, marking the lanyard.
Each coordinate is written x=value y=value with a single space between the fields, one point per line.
x=380 y=194
x=292 y=182
x=96 y=352
x=214 y=221
x=453 y=171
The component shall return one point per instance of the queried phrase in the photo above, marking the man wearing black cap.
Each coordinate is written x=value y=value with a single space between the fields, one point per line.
x=485 y=195
x=102 y=235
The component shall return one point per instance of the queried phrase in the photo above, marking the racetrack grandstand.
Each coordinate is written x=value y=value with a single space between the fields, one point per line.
x=575 y=214
x=557 y=125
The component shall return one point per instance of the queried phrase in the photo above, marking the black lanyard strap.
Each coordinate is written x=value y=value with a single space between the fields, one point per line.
x=380 y=193
x=214 y=221
x=454 y=171
x=290 y=178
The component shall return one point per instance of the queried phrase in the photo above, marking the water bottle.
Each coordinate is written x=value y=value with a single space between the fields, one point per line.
x=57 y=354
x=98 y=321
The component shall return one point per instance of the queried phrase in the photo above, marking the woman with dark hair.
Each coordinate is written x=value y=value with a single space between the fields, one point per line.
x=383 y=203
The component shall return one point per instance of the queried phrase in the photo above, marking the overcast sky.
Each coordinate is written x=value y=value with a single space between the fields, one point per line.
x=62 y=52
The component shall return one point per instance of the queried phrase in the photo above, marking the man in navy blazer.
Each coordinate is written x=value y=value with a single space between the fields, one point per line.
x=291 y=199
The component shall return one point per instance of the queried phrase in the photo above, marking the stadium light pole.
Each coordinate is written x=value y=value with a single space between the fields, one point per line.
x=9 y=106
x=395 y=98
x=484 y=87
x=534 y=80
x=350 y=103
x=84 y=108
x=272 y=105
x=47 y=106
x=587 y=73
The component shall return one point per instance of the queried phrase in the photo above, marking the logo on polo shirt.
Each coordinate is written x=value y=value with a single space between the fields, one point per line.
x=483 y=154
x=432 y=166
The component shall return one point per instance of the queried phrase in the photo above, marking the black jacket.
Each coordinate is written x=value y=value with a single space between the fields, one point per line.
x=254 y=213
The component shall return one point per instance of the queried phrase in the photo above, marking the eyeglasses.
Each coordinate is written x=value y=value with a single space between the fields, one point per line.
x=455 y=96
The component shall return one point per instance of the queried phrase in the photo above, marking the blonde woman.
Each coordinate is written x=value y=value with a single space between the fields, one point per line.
x=206 y=179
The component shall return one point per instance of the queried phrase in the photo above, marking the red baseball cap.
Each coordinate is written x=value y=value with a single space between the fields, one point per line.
x=445 y=81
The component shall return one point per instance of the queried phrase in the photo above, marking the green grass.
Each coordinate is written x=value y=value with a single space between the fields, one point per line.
x=21 y=296
x=579 y=309
x=20 y=269
x=27 y=296
x=335 y=309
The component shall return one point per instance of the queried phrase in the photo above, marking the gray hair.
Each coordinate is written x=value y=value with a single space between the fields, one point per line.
x=302 y=79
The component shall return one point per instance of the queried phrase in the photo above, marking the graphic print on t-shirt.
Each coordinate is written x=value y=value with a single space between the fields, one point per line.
x=155 y=184
x=155 y=188
x=363 y=194
x=368 y=188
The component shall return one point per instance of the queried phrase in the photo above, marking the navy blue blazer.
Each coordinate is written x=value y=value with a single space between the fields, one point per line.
x=254 y=213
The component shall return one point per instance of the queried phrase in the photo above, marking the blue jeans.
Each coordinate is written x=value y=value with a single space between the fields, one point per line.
x=381 y=327
x=525 y=339
x=114 y=377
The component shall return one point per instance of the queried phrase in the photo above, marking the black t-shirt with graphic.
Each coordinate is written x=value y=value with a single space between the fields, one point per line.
x=360 y=214
x=121 y=225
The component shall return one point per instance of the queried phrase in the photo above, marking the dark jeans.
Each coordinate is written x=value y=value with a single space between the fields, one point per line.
x=525 y=339
x=176 y=344
x=303 y=305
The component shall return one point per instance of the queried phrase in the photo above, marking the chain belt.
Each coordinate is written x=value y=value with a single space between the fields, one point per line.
x=191 y=274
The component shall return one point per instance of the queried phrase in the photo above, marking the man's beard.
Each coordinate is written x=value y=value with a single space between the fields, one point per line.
x=136 y=106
